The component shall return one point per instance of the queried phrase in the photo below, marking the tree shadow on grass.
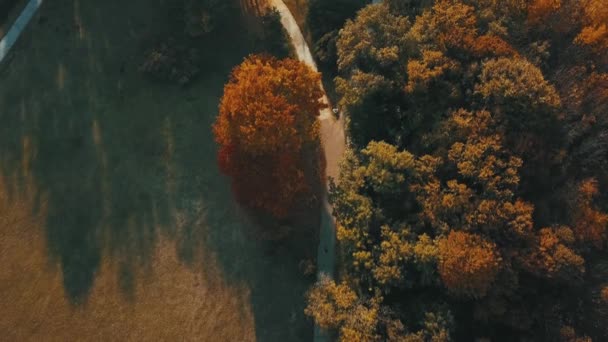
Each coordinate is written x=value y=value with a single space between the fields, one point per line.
x=123 y=162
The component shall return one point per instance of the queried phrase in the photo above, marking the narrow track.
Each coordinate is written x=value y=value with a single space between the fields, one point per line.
x=334 y=144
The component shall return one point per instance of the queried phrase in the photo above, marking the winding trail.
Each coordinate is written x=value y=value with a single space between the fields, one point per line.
x=334 y=144
x=13 y=34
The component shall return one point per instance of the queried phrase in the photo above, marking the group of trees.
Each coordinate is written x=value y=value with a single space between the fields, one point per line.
x=472 y=202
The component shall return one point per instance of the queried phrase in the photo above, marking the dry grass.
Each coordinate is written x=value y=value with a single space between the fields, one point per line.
x=171 y=300
x=115 y=223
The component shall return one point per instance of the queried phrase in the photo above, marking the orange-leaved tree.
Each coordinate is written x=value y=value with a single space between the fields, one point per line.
x=267 y=115
x=468 y=263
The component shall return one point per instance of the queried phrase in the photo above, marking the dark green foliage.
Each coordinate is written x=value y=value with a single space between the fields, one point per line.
x=202 y=17
x=324 y=19
x=171 y=61
x=274 y=38
x=408 y=7
x=325 y=16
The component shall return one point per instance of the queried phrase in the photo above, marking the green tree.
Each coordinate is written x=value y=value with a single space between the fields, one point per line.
x=202 y=17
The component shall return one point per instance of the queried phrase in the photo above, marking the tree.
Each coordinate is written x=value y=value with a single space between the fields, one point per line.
x=468 y=264
x=590 y=224
x=374 y=42
x=595 y=30
x=520 y=90
x=371 y=49
x=274 y=38
x=267 y=115
x=336 y=305
x=526 y=108
x=324 y=19
x=555 y=257
x=204 y=16
x=325 y=16
x=449 y=26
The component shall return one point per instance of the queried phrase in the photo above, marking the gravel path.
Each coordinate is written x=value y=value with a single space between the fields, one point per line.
x=334 y=144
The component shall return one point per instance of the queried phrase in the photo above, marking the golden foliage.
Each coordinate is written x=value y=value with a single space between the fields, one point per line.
x=595 y=29
x=555 y=257
x=394 y=250
x=334 y=305
x=376 y=36
x=468 y=264
x=482 y=198
x=330 y=303
x=431 y=68
x=448 y=25
x=385 y=167
x=505 y=80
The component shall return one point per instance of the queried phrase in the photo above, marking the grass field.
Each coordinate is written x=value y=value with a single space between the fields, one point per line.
x=115 y=223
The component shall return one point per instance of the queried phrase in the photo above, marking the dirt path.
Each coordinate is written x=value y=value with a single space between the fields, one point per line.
x=334 y=144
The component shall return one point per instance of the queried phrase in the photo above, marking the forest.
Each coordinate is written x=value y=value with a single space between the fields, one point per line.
x=471 y=203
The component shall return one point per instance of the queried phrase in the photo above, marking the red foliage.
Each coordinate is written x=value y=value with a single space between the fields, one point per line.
x=267 y=114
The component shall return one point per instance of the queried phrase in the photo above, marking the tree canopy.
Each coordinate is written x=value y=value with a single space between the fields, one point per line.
x=267 y=115
x=473 y=193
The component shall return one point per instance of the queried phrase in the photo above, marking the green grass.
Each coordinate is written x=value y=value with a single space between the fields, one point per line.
x=114 y=205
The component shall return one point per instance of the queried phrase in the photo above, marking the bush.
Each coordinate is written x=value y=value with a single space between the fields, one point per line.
x=274 y=39
x=202 y=17
x=172 y=62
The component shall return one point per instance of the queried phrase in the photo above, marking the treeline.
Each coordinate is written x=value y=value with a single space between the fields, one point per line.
x=472 y=204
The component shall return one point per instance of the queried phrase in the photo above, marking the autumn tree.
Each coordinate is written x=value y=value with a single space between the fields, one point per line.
x=595 y=30
x=590 y=223
x=337 y=305
x=267 y=116
x=555 y=256
x=449 y=26
x=520 y=90
x=467 y=264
